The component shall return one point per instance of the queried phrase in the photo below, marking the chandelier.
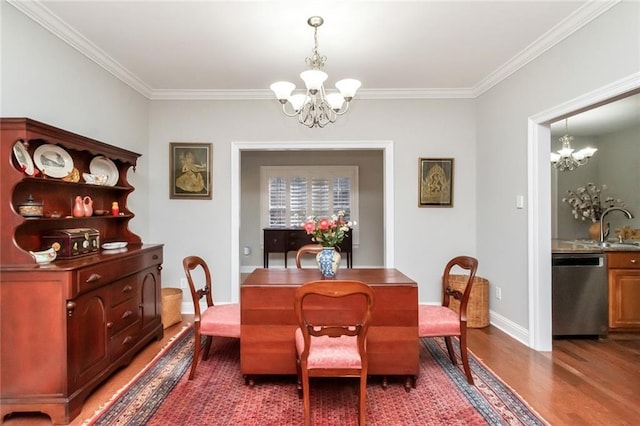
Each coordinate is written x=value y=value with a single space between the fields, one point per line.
x=315 y=108
x=565 y=159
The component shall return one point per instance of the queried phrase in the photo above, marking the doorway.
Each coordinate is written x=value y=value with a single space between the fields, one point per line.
x=539 y=197
x=236 y=149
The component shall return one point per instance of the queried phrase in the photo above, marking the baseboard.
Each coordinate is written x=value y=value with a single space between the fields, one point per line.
x=511 y=328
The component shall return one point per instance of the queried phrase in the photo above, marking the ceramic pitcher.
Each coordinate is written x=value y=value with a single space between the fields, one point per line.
x=88 y=206
x=78 y=207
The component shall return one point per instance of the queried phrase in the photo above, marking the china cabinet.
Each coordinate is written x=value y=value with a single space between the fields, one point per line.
x=66 y=326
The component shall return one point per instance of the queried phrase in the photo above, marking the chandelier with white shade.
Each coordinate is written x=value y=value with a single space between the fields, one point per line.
x=316 y=107
x=566 y=159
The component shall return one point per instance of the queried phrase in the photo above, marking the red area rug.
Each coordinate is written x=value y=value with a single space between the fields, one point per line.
x=162 y=395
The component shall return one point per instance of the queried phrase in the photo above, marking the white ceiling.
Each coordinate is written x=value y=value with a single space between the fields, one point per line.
x=236 y=49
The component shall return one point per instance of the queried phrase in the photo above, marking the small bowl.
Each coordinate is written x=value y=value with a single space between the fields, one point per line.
x=44 y=257
x=100 y=212
x=95 y=179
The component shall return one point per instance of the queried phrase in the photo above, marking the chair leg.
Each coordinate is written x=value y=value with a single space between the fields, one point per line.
x=465 y=357
x=207 y=347
x=306 y=402
x=298 y=378
x=452 y=354
x=196 y=352
x=385 y=382
x=362 y=409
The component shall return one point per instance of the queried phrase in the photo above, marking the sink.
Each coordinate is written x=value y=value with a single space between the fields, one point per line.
x=611 y=245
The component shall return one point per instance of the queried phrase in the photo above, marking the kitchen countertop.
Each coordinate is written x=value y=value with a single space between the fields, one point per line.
x=589 y=246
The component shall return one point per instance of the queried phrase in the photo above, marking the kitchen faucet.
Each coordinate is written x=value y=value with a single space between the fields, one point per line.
x=606 y=212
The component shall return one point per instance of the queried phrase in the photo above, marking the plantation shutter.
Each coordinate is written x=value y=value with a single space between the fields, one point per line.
x=290 y=194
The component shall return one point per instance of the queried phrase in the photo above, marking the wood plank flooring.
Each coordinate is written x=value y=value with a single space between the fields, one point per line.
x=581 y=382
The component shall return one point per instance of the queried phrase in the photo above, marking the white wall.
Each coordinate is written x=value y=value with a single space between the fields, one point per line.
x=425 y=238
x=604 y=51
x=45 y=79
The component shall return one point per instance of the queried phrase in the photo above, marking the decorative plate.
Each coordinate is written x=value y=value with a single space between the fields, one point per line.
x=101 y=165
x=53 y=161
x=23 y=157
x=114 y=246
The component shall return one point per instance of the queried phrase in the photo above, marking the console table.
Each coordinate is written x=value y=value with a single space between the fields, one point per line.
x=268 y=320
x=284 y=240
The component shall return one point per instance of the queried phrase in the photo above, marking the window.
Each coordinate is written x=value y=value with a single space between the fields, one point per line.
x=289 y=194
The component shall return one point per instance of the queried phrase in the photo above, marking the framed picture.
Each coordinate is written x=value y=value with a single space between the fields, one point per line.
x=435 y=182
x=191 y=174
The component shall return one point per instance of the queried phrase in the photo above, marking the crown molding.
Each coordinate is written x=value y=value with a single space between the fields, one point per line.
x=578 y=19
x=38 y=12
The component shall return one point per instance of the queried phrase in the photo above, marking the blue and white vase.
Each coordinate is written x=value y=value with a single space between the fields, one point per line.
x=328 y=261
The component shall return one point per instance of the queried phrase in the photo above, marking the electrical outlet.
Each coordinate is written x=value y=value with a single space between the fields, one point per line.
x=498 y=293
x=183 y=283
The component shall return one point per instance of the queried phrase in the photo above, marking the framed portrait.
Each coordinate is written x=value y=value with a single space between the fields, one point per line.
x=191 y=174
x=435 y=182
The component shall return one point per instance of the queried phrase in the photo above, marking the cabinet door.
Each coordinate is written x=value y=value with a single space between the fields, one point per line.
x=624 y=298
x=88 y=341
x=150 y=296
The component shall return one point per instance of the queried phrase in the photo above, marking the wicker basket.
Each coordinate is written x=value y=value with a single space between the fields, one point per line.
x=171 y=306
x=478 y=306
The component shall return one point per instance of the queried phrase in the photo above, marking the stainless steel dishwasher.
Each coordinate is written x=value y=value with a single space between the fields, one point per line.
x=579 y=295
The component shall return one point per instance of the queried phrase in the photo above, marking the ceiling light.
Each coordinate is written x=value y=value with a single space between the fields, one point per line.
x=567 y=160
x=315 y=108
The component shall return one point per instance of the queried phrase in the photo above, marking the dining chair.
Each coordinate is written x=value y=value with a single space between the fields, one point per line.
x=307 y=249
x=214 y=320
x=331 y=342
x=443 y=321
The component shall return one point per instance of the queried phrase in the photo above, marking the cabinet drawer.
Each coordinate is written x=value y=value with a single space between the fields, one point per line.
x=124 y=315
x=106 y=272
x=124 y=341
x=123 y=290
x=623 y=260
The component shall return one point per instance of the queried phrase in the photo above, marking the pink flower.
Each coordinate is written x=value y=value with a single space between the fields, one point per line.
x=309 y=226
x=324 y=224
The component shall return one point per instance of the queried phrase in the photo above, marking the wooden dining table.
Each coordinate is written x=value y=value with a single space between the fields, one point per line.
x=268 y=321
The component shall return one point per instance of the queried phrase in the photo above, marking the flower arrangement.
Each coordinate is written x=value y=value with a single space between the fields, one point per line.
x=328 y=232
x=587 y=204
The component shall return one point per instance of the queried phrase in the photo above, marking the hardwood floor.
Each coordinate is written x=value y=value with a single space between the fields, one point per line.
x=581 y=382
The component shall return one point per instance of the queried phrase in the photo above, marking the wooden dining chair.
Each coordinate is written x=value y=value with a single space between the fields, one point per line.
x=215 y=320
x=331 y=342
x=434 y=321
x=307 y=249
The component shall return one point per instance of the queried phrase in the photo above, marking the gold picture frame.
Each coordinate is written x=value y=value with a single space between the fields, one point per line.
x=190 y=174
x=435 y=182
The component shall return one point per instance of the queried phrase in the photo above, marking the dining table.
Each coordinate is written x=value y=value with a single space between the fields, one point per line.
x=268 y=321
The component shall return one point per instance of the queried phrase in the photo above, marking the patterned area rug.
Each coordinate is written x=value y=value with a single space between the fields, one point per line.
x=162 y=395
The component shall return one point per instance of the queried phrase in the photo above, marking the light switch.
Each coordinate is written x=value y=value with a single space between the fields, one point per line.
x=520 y=201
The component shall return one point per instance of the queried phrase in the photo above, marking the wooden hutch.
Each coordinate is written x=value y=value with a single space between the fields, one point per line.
x=66 y=326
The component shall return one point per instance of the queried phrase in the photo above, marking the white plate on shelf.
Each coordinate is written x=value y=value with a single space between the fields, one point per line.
x=53 y=161
x=23 y=157
x=114 y=246
x=101 y=165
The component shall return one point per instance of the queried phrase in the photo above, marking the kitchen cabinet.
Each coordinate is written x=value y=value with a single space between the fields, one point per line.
x=624 y=290
x=67 y=326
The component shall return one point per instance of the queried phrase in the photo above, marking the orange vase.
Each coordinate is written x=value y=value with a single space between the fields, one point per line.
x=594 y=231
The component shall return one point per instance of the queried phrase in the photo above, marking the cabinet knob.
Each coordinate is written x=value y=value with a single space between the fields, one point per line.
x=127 y=340
x=127 y=289
x=633 y=261
x=127 y=314
x=109 y=324
x=71 y=307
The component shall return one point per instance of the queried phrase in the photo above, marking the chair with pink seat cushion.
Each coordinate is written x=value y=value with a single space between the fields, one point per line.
x=331 y=342
x=434 y=321
x=215 y=320
x=307 y=249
